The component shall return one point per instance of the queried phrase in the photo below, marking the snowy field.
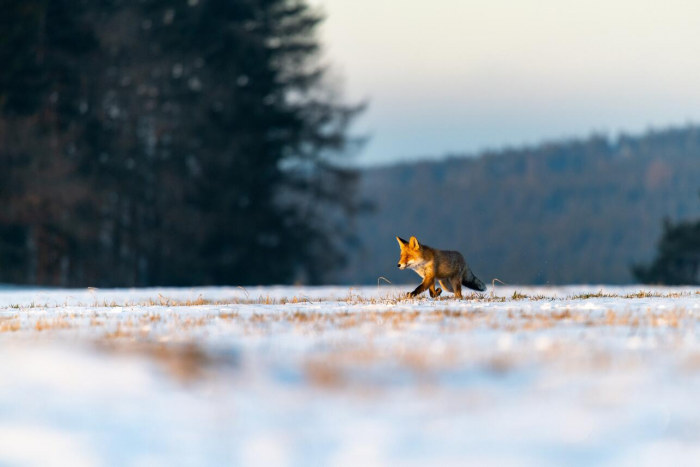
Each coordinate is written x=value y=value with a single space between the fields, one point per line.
x=333 y=376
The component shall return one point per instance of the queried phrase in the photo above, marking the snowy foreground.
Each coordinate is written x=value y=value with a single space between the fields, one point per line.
x=332 y=376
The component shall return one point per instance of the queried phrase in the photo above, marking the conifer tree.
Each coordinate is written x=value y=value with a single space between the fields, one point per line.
x=678 y=258
x=244 y=118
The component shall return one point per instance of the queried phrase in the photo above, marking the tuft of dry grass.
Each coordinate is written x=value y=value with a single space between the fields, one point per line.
x=51 y=324
x=186 y=362
x=9 y=324
x=324 y=374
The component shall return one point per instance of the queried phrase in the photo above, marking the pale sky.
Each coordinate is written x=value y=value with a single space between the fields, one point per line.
x=464 y=75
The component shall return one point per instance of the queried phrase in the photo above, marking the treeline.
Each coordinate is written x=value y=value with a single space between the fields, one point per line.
x=581 y=211
x=150 y=142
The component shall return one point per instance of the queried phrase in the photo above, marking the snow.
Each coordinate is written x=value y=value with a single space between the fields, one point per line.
x=333 y=376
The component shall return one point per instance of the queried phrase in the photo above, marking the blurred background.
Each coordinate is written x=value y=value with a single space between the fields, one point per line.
x=240 y=142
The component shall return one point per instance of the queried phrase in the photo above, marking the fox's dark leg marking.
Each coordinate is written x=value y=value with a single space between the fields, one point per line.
x=425 y=285
x=435 y=293
x=457 y=286
x=419 y=290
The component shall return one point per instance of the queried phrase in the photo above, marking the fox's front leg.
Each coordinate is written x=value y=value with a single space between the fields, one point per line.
x=425 y=285
x=434 y=293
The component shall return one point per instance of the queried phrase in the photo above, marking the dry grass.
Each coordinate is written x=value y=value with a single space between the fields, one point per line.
x=9 y=324
x=353 y=298
x=172 y=323
x=168 y=336
x=52 y=324
x=186 y=363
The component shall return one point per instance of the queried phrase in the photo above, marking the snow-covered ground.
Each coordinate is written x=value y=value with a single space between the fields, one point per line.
x=333 y=376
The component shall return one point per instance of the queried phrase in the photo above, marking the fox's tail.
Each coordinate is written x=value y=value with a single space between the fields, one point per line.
x=471 y=281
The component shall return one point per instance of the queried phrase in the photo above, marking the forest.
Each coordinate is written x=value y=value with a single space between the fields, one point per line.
x=578 y=211
x=153 y=142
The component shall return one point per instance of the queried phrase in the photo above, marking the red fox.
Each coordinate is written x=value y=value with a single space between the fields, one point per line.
x=447 y=267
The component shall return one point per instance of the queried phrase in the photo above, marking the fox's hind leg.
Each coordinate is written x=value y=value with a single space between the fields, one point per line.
x=446 y=285
x=456 y=286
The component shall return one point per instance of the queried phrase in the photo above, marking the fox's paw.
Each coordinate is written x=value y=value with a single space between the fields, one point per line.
x=437 y=293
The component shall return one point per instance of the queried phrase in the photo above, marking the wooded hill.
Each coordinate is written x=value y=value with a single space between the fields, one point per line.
x=579 y=211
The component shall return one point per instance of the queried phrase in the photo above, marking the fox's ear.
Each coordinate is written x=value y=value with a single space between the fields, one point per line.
x=402 y=242
x=414 y=243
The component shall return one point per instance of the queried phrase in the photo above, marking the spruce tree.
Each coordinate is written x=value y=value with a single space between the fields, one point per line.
x=246 y=122
x=678 y=257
